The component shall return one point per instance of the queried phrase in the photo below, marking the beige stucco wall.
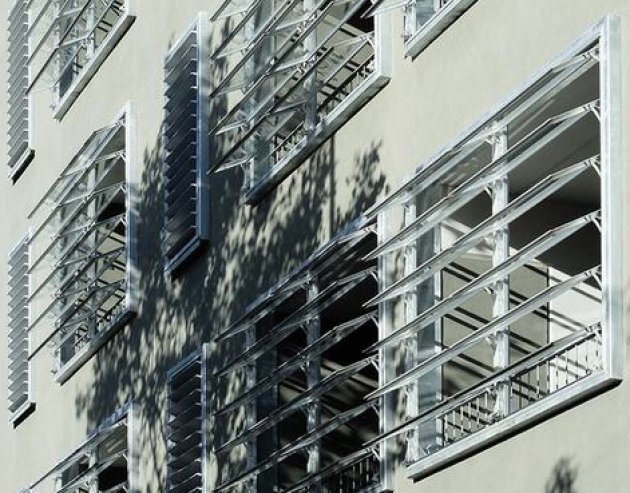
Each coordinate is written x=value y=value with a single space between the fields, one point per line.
x=484 y=56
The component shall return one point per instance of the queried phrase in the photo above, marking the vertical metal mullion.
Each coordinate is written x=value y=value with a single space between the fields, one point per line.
x=412 y=344
x=439 y=334
x=93 y=463
x=92 y=209
x=251 y=408
x=249 y=169
x=387 y=358
x=56 y=63
x=499 y=191
x=310 y=85
x=91 y=28
x=313 y=377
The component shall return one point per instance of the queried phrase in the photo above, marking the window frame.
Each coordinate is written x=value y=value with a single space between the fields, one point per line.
x=321 y=282
x=71 y=366
x=202 y=183
x=333 y=121
x=25 y=408
x=62 y=103
x=131 y=294
x=201 y=355
x=607 y=34
x=15 y=171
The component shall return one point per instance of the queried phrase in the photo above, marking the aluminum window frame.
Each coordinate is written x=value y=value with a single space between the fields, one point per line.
x=606 y=34
x=63 y=102
x=200 y=354
x=16 y=415
x=321 y=281
x=259 y=187
x=202 y=185
x=131 y=295
x=14 y=171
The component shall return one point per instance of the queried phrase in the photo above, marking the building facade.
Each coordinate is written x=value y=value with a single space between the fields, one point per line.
x=331 y=246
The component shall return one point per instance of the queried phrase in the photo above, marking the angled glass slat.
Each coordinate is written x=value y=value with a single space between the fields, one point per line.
x=69 y=227
x=86 y=477
x=535 y=195
x=263 y=114
x=325 y=342
x=108 y=429
x=299 y=444
x=554 y=81
x=58 y=43
x=453 y=402
x=303 y=399
x=540 y=137
x=325 y=298
x=480 y=334
x=279 y=54
x=246 y=17
x=528 y=253
x=288 y=45
x=231 y=8
x=327 y=471
x=331 y=253
x=69 y=318
x=79 y=166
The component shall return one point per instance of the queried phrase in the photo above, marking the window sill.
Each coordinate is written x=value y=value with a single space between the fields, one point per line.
x=108 y=45
x=435 y=26
x=16 y=171
x=78 y=360
x=511 y=425
x=183 y=256
x=333 y=121
x=15 y=418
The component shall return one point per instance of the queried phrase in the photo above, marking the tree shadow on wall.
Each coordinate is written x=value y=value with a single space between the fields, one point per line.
x=250 y=249
x=563 y=478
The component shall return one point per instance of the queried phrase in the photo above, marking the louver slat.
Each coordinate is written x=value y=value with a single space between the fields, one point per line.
x=17 y=360
x=185 y=430
x=185 y=148
x=18 y=107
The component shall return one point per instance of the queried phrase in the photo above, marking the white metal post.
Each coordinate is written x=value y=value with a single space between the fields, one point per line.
x=412 y=400
x=386 y=355
x=501 y=290
x=313 y=377
x=251 y=407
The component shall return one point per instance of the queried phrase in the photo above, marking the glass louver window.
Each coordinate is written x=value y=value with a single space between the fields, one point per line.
x=185 y=141
x=509 y=275
x=186 y=442
x=424 y=20
x=102 y=463
x=19 y=384
x=83 y=252
x=293 y=416
x=69 y=41
x=292 y=72
x=18 y=106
